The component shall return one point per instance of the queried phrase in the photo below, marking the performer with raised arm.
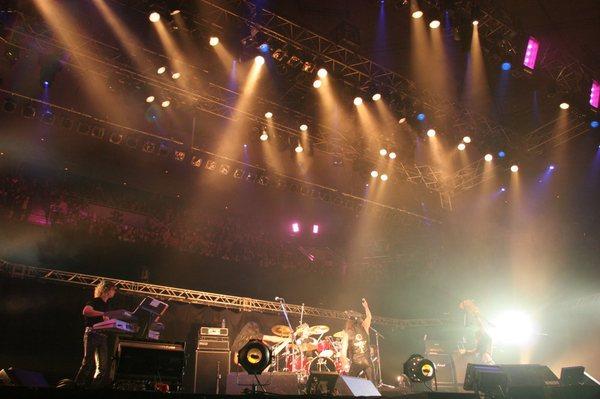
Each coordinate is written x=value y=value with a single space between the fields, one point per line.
x=356 y=343
x=95 y=346
x=483 y=340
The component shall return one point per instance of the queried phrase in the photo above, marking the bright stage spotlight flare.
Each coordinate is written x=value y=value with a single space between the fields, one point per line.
x=322 y=73
x=149 y=99
x=161 y=70
x=383 y=152
x=176 y=75
x=475 y=22
x=461 y=147
x=154 y=17
x=383 y=177
x=303 y=127
x=298 y=149
x=514 y=168
x=165 y=103
x=434 y=24
x=268 y=114
x=401 y=120
x=376 y=97
x=374 y=173
x=513 y=328
x=466 y=139
x=417 y=14
x=317 y=83
x=213 y=41
x=259 y=60
x=357 y=100
x=264 y=136
x=488 y=157
x=564 y=105
x=392 y=155
x=431 y=133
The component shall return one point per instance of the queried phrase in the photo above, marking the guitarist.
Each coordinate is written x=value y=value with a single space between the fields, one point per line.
x=483 y=341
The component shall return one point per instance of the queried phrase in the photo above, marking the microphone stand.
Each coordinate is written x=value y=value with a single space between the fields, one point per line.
x=380 y=375
x=287 y=319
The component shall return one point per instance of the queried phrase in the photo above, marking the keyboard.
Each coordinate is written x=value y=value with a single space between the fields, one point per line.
x=115 y=325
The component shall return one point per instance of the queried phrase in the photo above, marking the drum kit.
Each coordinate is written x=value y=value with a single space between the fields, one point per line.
x=307 y=349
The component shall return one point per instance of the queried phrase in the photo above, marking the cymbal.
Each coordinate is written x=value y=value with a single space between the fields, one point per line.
x=339 y=334
x=281 y=330
x=308 y=344
x=302 y=328
x=318 y=330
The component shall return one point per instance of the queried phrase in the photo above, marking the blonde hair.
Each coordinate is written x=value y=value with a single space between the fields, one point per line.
x=103 y=287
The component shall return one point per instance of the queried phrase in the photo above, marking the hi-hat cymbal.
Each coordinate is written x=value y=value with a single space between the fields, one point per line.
x=318 y=330
x=339 y=334
x=281 y=330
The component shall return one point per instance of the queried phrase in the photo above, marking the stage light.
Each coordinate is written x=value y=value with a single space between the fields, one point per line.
x=374 y=173
x=259 y=60
x=357 y=100
x=461 y=147
x=263 y=48
x=149 y=99
x=506 y=66
x=383 y=152
x=279 y=55
x=512 y=327
x=551 y=167
x=383 y=177
x=295 y=227
x=419 y=369
x=175 y=12
x=213 y=41
x=564 y=105
x=392 y=155
x=531 y=53
x=503 y=189
x=488 y=157
x=46 y=84
x=514 y=168
x=594 y=124
x=161 y=70
x=317 y=83
x=475 y=22
x=376 y=97
x=431 y=133
x=401 y=120
x=298 y=149
x=303 y=127
x=254 y=357
x=165 y=103
x=417 y=14
x=322 y=73
x=315 y=229
x=421 y=117
x=154 y=17
x=264 y=136
x=434 y=24
x=501 y=154
x=467 y=139
x=268 y=114
x=595 y=95
x=176 y=75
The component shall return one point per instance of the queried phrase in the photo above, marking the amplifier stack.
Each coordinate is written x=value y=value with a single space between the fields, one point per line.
x=212 y=360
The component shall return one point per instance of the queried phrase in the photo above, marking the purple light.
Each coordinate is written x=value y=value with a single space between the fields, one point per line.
x=315 y=229
x=295 y=227
x=531 y=53
x=551 y=167
x=503 y=189
x=595 y=95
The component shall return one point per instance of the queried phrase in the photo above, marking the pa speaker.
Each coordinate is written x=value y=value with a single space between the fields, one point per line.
x=354 y=386
x=23 y=378
x=274 y=383
x=212 y=368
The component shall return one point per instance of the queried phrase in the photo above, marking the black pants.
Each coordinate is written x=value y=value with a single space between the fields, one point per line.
x=95 y=357
x=365 y=368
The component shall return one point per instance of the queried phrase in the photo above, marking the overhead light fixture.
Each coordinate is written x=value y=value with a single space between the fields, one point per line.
x=304 y=127
x=383 y=152
x=165 y=103
x=402 y=120
x=175 y=12
x=154 y=17
x=213 y=41
x=514 y=168
x=259 y=60
x=461 y=147
x=268 y=114
x=357 y=100
x=392 y=155
x=149 y=99
x=431 y=133
x=467 y=139
x=374 y=173
x=417 y=14
x=264 y=136
x=488 y=157
x=531 y=53
x=322 y=73
x=475 y=22
x=317 y=83
x=564 y=105
x=176 y=75
x=376 y=97
x=161 y=70
x=298 y=148
x=383 y=177
x=434 y=24
x=595 y=95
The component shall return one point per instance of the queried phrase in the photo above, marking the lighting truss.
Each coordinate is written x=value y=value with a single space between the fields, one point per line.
x=14 y=270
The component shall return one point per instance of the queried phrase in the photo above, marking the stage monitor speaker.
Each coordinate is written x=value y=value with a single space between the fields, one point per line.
x=210 y=372
x=273 y=383
x=23 y=378
x=518 y=380
x=354 y=386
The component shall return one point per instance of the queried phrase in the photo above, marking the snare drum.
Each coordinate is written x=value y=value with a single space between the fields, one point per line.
x=320 y=364
x=325 y=348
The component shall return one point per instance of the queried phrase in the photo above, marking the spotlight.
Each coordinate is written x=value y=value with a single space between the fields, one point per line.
x=551 y=167
x=303 y=127
x=295 y=227
x=254 y=357
x=531 y=53
x=461 y=147
x=419 y=369
x=506 y=66
x=376 y=97
x=264 y=136
x=383 y=177
x=213 y=41
x=161 y=70
x=383 y=152
x=165 y=103
x=514 y=168
x=513 y=327
x=564 y=105
x=263 y=48
x=357 y=100
x=488 y=157
x=417 y=14
x=595 y=95
x=149 y=99
x=392 y=155
x=298 y=149
x=317 y=83
x=175 y=12
x=176 y=75
x=268 y=114
x=467 y=139
x=501 y=154
x=154 y=17
x=322 y=73
x=503 y=189
x=434 y=24
x=594 y=124
x=401 y=120
x=374 y=173
x=421 y=117
x=475 y=22
x=315 y=229
x=259 y=60
x=431 y=133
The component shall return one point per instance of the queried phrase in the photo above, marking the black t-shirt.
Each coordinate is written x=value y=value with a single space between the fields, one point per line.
x=359 y=345
x=98 y=305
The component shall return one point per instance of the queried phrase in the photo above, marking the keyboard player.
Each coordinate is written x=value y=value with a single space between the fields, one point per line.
x=95 y=345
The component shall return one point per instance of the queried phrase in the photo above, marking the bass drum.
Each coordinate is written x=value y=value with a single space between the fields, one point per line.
x=321 y=364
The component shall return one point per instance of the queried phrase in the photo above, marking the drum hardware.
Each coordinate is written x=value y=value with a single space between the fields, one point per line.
x=281 y=331
x=318 y=330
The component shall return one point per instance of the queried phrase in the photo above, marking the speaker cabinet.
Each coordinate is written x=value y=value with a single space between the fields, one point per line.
x=275 y=383
x=354 y=386
x=444 y=368
x=211 y=370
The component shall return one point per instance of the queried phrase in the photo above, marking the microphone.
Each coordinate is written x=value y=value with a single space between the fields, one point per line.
x=279 y=299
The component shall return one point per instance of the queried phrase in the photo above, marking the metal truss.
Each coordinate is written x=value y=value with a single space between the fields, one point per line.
x=246 y=304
